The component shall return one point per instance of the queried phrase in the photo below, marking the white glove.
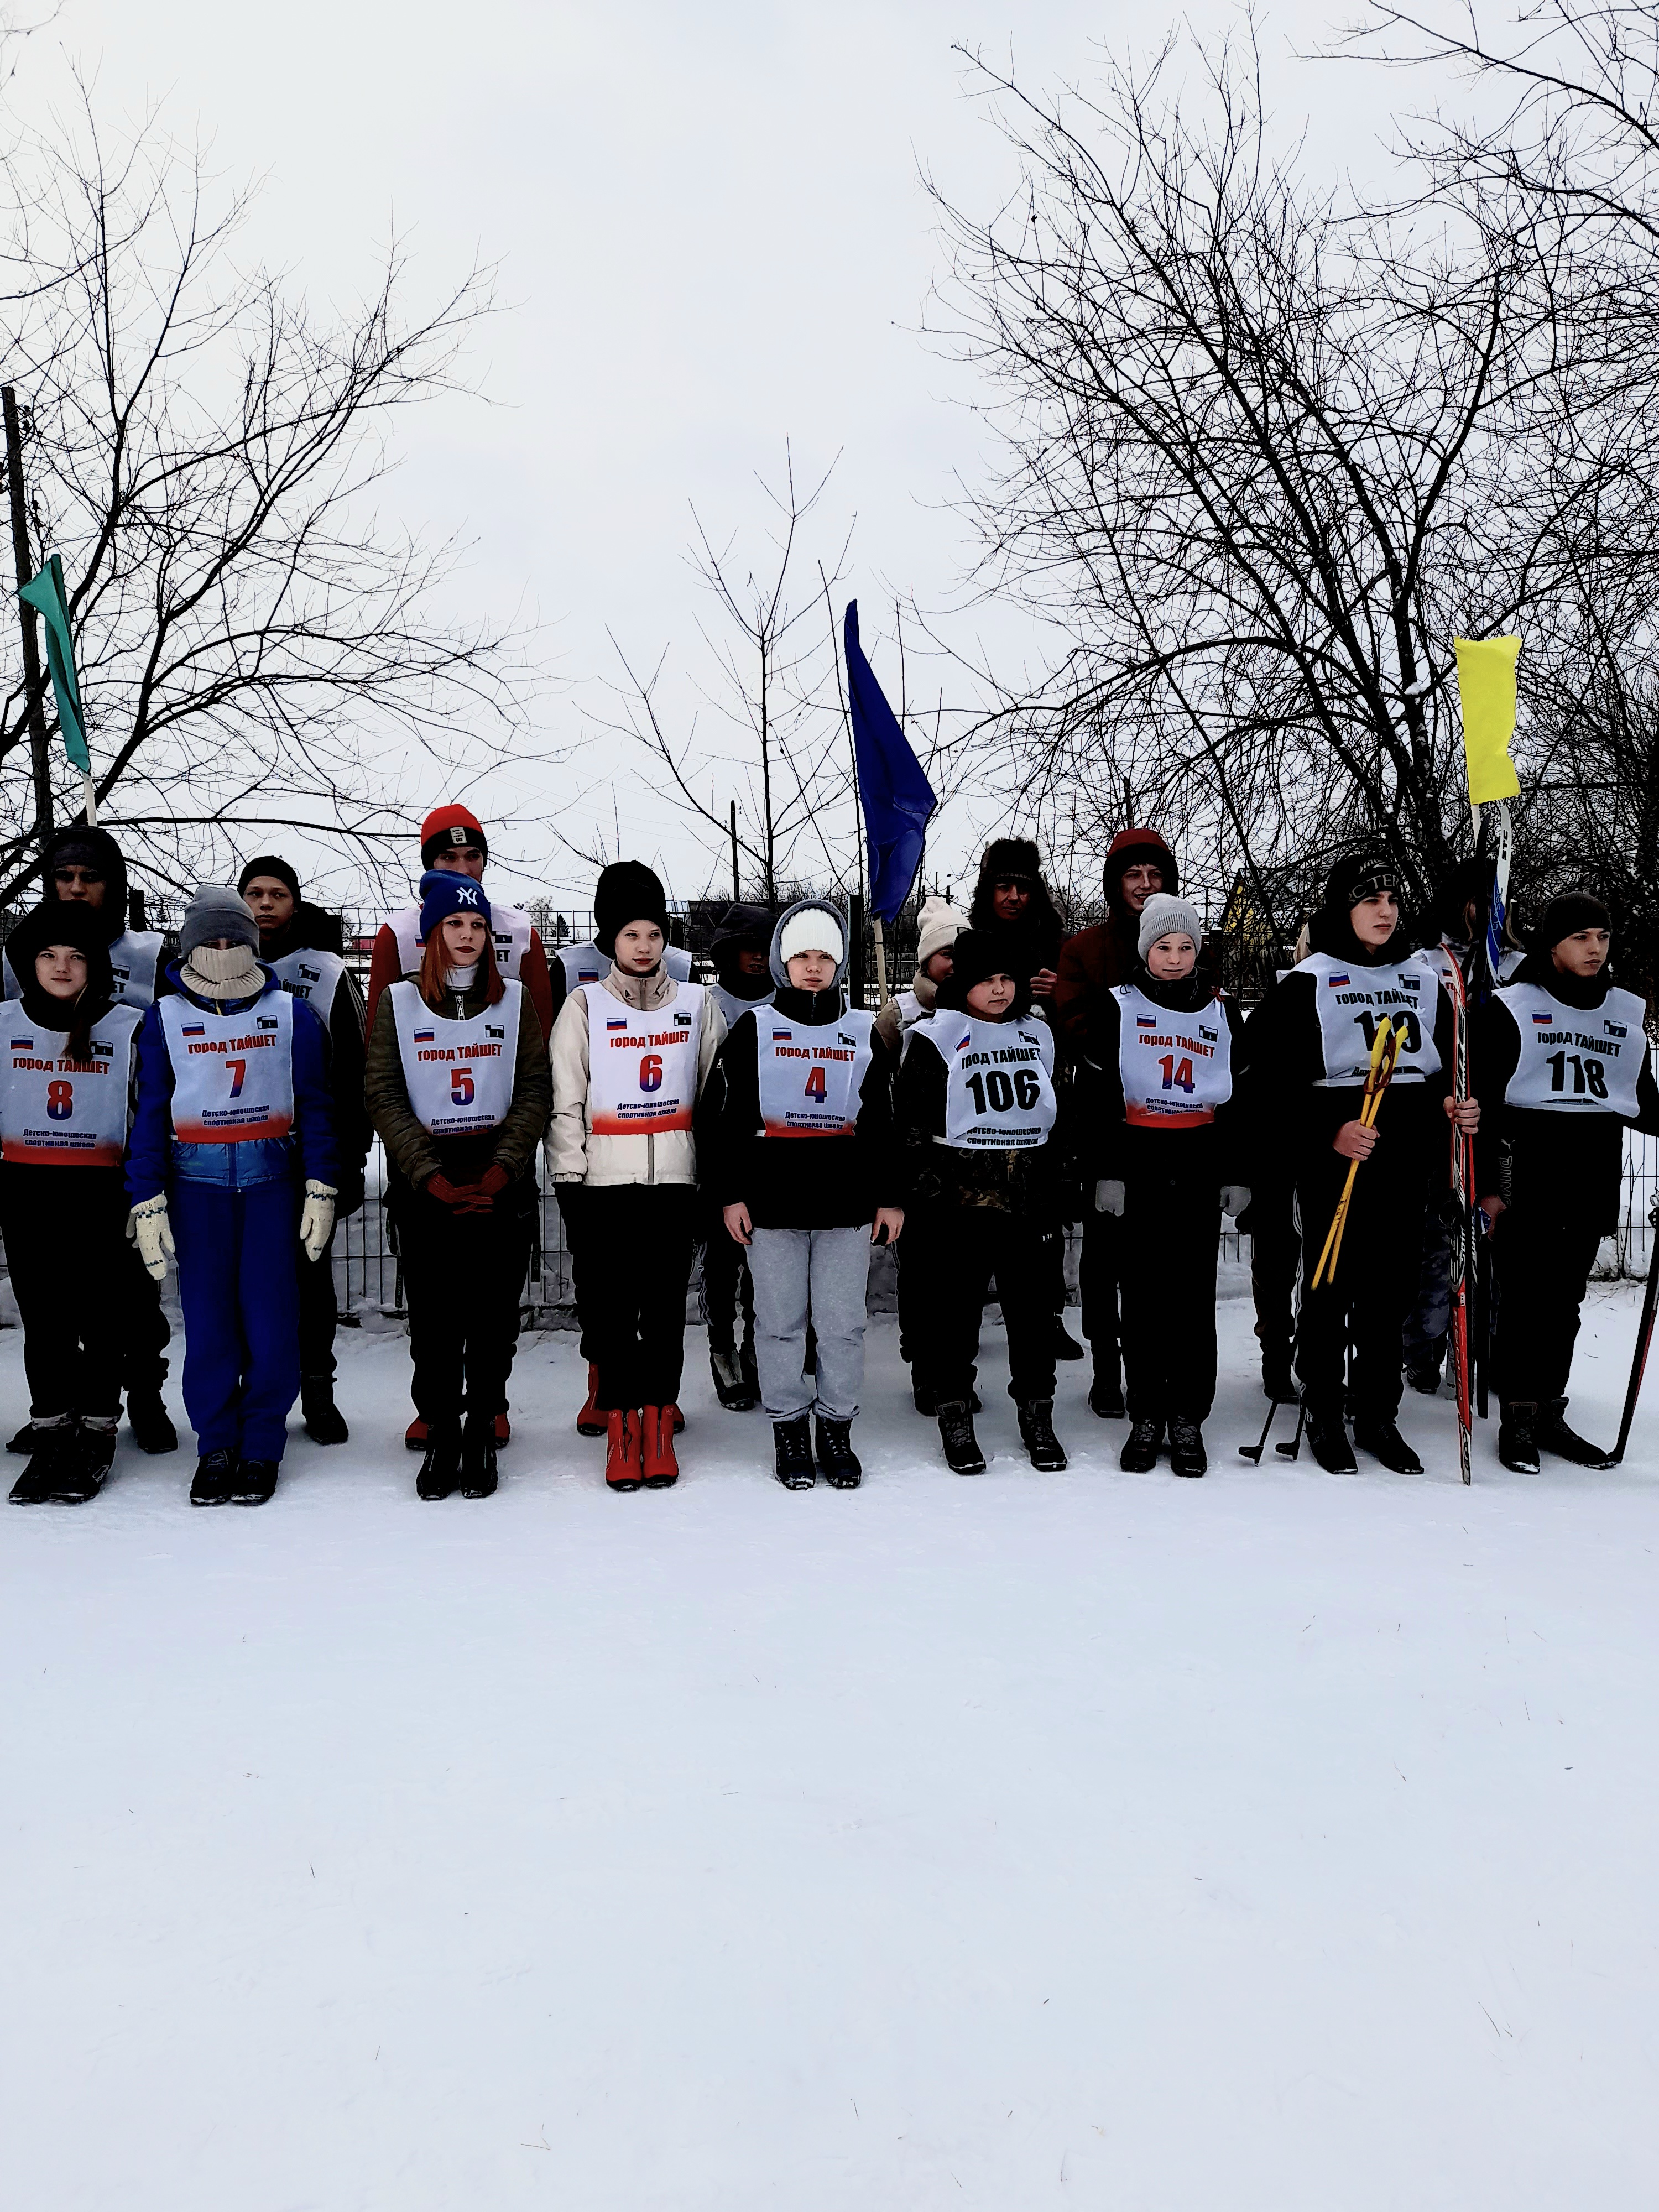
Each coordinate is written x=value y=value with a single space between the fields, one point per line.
x=1108 y=1196
x=1235 y=1197
x=317 y=1218
x=148 y=1225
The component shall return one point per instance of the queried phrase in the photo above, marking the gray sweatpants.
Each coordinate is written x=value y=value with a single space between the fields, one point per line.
x=816 y=1272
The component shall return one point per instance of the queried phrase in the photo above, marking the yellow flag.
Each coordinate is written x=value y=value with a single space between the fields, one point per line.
x=1486 y=690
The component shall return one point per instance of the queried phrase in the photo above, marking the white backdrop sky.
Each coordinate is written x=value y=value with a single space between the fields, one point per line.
x=711 y=235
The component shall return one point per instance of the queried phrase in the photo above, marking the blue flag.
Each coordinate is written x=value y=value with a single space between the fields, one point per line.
x=896 y=797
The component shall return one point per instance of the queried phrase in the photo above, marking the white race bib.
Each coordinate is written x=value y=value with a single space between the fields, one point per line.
x=811 y=1073
x=999 y=1081
x=56 y=1112
x=313 y=976
x=232 y=1074
x=642 y=1068
x=731 y=1007
x=1353 y=1001
x=1575 y=1059
x=1176 y=1068
x=459 y=1074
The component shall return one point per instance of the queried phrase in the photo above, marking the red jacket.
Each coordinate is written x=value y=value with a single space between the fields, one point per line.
x=1094 y=960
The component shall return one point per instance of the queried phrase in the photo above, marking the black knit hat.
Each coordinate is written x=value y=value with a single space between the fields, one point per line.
x=976 y=954
x=627 y=891
x=71 y=921
x=1010 y=860
x=267 y=864
x=1362 y=876
x=1566 y=915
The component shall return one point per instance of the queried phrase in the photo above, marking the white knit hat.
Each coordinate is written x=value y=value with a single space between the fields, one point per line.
x=814 y=929
x=1165 y=915
x=937 y=927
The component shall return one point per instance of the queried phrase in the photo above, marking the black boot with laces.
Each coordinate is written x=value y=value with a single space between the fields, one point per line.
x=1517 y=1438
x=82 y=1469
x=1554 y=1435
x=1036 y=1432
x=441 y=1470
x=838 y=1463
x=214 y=1472
x=1328 y=1440
x=1187 y=1452
x=150 y=1423
x=792 y=1448
x=1141 y=1447
x=956 y=1432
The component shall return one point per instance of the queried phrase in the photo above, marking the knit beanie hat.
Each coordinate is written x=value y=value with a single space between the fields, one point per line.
x=976 y=954
x=1010 y=860
x=1164 y=916
x=446 y=827
x=815 y=929
x=937 y=926
x=1566 y=915
x=67 y=922
x=217 y=911
x=627 y=891
x=1133 y=849
x=1362 y=876
x=269 y=864
x=446 y=892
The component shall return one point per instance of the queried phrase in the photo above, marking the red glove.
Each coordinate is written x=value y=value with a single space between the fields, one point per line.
x=461 y=1198
x=493 y=1179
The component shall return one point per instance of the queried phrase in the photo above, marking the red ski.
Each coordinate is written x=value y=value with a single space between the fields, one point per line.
x=1462 y=1186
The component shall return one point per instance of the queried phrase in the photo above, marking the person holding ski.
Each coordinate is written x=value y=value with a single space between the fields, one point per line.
x=302 y=947
x=1562 y=1053
x=1139 y=865
x=1168 y=1158
x=799 y=1122
x=742 y=979
x=631 y=1053
x=1309 y=1052
x=232 y=1164
x=67 y=1059
x=83 y=868
x=978 y=1108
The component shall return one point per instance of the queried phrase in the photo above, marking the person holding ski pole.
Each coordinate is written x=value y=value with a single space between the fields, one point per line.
x=1309 y=1051
x=1563 y=1052
x=1163 y=1126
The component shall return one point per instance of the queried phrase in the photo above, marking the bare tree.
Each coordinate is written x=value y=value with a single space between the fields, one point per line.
x=1263 y=454
x=257 y=642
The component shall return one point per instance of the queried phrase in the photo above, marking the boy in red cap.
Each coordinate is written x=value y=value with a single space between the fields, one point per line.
x=453 y=837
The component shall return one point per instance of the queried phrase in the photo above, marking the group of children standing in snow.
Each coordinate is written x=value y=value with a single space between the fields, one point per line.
x=218 y=1109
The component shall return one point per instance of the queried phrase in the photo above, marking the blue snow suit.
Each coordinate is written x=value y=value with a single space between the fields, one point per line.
x=234 y=1210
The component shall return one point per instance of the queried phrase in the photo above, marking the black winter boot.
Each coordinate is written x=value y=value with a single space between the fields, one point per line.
x=956 y=1432
x=214 y=1472
x=478 y=1475
x=732 y=1385
x=1554 y=1435
x=1517 y=1438
x=838 y=1463
x=1424 y=1375
x=253 y=1483
x=1187 y=1452
x=25 y=1440
x=80 y=1472
x=1328 y=1440
x=151 y=1425
x=54 y=1442
x=1141 y=1447
x=1036 y=1432
x=1380 y=1436
x=441 y=1470
x=1106 y=1391
x=792 y=1453
x=1066 y=1344
x=325 y=1422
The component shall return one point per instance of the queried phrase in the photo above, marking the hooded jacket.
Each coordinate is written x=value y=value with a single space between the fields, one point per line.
x=135 y=954
x=741 y=929
x=156 y=1159
x=1094 y=960
x=574 y=1153
x=811 y=1183
x=1032 y=943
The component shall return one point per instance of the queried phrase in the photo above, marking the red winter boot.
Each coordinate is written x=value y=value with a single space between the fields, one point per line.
x=591 y=1422
x=678 y=1418
x=657 y=1463
x=621 y=1465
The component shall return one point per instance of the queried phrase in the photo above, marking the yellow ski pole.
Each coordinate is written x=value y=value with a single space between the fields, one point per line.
x=1385 y=1050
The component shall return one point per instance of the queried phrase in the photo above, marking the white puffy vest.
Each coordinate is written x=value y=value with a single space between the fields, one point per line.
x=1575 y=1059
x=999 y=1081
x=56 y=1112
x=811 y=1073
x=232 y=1074
x=1353 y=1001
x=459 y=1074
x=642 y=1068
x=1176 y=1068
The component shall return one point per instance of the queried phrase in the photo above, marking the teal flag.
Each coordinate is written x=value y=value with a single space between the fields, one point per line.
x=46 y=592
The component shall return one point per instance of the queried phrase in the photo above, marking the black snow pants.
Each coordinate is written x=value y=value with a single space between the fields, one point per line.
x=76 y=1280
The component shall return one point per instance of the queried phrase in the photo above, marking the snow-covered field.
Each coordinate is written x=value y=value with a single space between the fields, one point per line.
x=1276 y=1843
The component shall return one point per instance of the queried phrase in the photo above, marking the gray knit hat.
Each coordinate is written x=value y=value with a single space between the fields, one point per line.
x=217 y=911
x=1165 y=915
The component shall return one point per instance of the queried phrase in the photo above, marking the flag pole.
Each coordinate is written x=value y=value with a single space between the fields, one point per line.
x=881 y=964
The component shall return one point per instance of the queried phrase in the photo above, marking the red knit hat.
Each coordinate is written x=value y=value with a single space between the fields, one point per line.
x=448 y=826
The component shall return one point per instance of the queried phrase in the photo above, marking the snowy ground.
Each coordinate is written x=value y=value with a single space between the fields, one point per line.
x=1275 y=1841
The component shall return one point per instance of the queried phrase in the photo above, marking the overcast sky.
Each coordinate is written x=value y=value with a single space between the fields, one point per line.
x=712 y=236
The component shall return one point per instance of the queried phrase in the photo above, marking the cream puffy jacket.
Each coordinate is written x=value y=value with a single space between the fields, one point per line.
x=574 y=1153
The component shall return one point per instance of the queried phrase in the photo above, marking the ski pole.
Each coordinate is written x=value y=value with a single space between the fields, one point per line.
x=1644 y=1336
x=1385 y=1050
